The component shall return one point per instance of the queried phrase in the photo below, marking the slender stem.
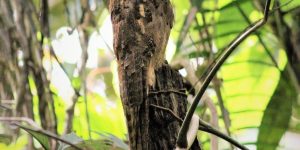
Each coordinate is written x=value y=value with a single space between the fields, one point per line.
x=86 y=109
x=19 y=119
x=80 y=70
x=48 y=134
x=181 y=140
x=223 y=136
x=203 y=126
x=208 y=128
x=224 y=112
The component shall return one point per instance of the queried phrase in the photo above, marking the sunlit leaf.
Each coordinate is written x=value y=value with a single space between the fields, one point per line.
x=76 y=83
x=60 y=107
x=249 y=82
x=105 y=116
x=19 y=144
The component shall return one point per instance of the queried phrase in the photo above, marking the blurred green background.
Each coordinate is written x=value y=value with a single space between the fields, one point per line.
x=254 y=97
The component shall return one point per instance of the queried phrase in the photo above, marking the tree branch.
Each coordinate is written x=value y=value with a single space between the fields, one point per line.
x=48 y=134
x=203 y=126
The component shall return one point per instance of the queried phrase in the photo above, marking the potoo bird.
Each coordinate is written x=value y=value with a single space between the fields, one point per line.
x=141 y=31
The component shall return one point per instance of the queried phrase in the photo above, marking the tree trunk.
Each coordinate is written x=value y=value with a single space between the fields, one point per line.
x=152 y=93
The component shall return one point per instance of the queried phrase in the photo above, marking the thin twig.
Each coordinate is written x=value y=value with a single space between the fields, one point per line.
x=48 y=134
x=207 y=128
x=67 y=11
x=5 y=107
x=210 y=104
x=226 y=119
x=168 y=110
x=187 y=23
x=20 y=119
x=204 y=127
x=86 y=108
x=167 y=91
x=85 y=21
x=181 y=140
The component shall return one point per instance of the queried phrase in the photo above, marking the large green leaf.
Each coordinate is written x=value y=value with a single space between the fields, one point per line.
x=250 y=79
x=229 y=12
x=277 y=115
x=42 y=138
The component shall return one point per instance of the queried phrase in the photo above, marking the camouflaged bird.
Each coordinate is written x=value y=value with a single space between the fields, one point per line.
x=141 y=31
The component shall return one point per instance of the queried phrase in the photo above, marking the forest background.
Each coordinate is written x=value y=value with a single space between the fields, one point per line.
x=58 y=72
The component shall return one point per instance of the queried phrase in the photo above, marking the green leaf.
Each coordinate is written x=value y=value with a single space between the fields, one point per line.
x=196 y=54
x=277 y=115
x=72 y=138
x=93 y=145
x=42 y=139
x=229 y=31
x=233 y=4
x=185 y=27
x=7 y=139
x=249 y=81
x=96 y=145
x=116 y=141
x=100 y=110
x=76 y=83
x=108 y=79
x=222 y=22
x=107 y=142
x=58 y=15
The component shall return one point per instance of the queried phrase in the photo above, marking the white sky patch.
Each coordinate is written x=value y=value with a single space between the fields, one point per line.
x=196 y=62
x=92 y=61
x=101 y=40
x=98 y=109
x=67 y=46
x=60 y=80
x=106 y=32
x=183 y=72
x=20 y=55
x=170 y=50
x=99 y=87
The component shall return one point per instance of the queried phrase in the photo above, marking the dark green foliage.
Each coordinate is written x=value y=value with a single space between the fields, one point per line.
x=276 y=117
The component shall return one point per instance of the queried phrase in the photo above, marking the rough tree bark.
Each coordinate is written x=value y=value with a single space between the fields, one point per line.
x=147 y=84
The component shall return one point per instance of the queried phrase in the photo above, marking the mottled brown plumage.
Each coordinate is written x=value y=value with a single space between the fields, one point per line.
x=141 y=30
